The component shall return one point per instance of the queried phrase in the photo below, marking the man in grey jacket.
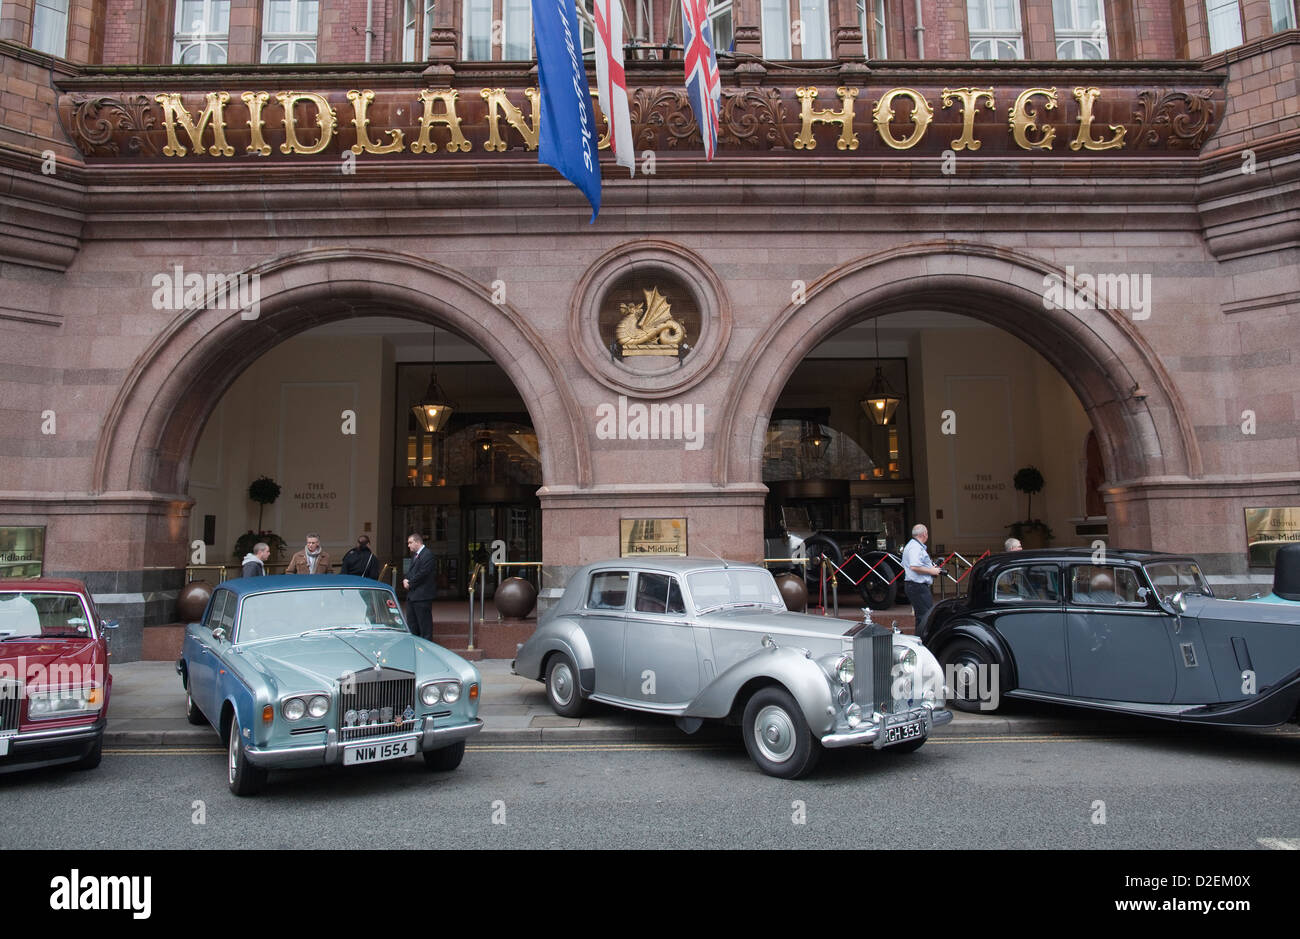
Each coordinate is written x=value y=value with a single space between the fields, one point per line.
x=255 y=561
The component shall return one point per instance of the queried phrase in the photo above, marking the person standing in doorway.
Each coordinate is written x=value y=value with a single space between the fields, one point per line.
x=919 y=573
x=359 y=561
x=311 y=559
x=255 y=560
x=420 y=584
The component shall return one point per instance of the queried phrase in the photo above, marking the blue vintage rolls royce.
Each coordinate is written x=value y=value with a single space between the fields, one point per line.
x=1130 y=631
x=297 y=671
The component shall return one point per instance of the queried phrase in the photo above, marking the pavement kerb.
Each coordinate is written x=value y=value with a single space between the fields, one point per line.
x=147 y=706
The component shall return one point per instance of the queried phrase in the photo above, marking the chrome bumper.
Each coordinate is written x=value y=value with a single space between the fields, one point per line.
x=330 y=752
x=31 y=749
x=871 y=733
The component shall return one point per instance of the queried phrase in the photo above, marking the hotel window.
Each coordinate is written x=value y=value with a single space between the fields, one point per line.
x=1080 y=29
x=202 y=32
x=1225 y=24
x=994 y=29
x=289 y=31
x=802 y=23
x=873 y=28
x=1283 y=15
x=507 y=23
x=50 y=27
x=416 y=25
x=722 y=26
x=587 y=26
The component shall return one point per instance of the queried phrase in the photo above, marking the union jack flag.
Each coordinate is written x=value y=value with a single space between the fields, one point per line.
x=702 y=81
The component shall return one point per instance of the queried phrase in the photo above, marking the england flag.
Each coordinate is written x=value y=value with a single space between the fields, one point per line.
x=611 y=81
x=702 y=81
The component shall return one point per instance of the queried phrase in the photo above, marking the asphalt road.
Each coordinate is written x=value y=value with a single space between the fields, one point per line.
x=1172 y=790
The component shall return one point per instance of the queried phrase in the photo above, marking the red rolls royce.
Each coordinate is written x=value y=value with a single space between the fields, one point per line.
x=54 y=679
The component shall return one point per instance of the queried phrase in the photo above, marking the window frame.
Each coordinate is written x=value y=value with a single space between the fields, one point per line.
x=497 y=14
x=423 y=10
x=1210 y=33
x=995 y=36
x=1024 y=569
x=1138 y=604
x=66 y=13
x=1274 y=6
x=875 y=36
x=219 y=40
x=794 y=13
x=293 y=40
x=626 y=573
x=1075 y=35
x=674 y=585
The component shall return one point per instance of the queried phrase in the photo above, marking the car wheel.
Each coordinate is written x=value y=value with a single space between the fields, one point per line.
x=192 y=713
x=245 y=778
x=962 y=660
x=777 y=736
x=446 y=758
x=907 y=746
x=93 y=758
x=815 y=547
x=875 y=592
x=562 y=687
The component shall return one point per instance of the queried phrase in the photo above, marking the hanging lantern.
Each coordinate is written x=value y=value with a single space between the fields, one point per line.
x=881 y=401
x=434 y=408
x=813 y=443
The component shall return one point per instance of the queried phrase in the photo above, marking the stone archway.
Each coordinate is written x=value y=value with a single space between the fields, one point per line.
x=1142 y=426
x=153 y=426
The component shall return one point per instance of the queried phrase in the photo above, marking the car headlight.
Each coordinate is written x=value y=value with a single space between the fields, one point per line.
x=430 y=695
x=64 y=702
x=318 y=706
x=293 y=709
x=451 y=692
x=905 y=656
x=853 y=714
x=844 y=670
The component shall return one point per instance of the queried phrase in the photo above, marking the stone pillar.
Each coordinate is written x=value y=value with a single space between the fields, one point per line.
x=444 y=40
x=244 y=47
x=16 y=21
x=1039 y=30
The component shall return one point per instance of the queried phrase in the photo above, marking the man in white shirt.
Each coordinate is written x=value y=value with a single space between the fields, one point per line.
x=918 y=573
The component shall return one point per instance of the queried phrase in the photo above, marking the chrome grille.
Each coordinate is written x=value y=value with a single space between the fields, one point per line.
x=385 y=690
x=11 y=699
x=873 y=658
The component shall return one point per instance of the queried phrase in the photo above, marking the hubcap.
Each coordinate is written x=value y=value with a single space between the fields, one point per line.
x=774 y=733
x=561 y=684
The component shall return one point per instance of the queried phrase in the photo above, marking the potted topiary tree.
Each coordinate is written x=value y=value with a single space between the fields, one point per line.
x=263 y=490
x=1032 y=532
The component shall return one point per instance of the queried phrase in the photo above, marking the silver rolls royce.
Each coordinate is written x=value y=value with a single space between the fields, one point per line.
x=699 y=640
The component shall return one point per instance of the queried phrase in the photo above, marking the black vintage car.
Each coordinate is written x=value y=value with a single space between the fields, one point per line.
x=1128 y=631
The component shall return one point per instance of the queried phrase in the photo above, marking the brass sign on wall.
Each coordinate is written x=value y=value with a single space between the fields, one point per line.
x=1270 y=529
x=664 y=537
x=22 y=551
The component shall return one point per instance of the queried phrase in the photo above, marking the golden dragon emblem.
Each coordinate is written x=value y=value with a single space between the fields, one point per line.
x=649 y=328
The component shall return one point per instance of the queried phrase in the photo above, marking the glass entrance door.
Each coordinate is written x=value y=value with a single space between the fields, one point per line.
x=516 y=524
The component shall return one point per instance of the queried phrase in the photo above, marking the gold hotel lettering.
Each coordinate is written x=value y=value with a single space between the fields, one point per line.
x=1025 y=121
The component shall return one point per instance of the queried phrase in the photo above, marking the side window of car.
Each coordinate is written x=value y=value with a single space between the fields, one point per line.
x=658 y=593
x=1039 y=584
x=1104 y=585
x=226 y=615
x=214 y=611
x=608 y=591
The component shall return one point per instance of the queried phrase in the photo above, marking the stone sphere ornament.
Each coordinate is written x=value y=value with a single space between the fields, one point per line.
x=193 y=600
x=515 y=598
x=793 y=592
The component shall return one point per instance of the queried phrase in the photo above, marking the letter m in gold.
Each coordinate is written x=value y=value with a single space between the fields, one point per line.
x=213 y=113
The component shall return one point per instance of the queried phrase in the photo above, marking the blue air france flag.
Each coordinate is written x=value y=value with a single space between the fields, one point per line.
x=568 y=131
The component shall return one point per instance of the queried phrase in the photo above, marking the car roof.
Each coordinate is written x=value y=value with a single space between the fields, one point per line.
x=677 y=565
x=244 y=586
x=38 y=584
x=1111 y=556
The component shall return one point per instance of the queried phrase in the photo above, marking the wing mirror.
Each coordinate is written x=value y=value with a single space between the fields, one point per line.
x=219 y=633
x=1179 y=602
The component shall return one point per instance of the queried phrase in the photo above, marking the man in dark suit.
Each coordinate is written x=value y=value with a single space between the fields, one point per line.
x=421 y=585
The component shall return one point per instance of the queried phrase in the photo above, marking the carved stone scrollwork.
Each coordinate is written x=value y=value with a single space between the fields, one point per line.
x=751 y=118
x=96 y=119
x=654 y=108
x=1178 y=119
